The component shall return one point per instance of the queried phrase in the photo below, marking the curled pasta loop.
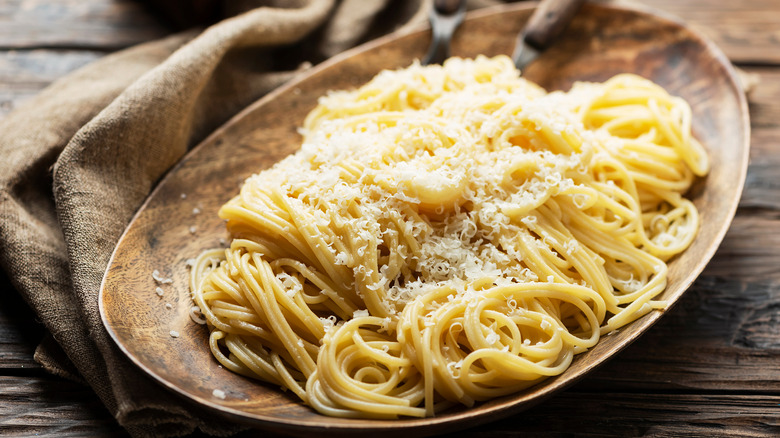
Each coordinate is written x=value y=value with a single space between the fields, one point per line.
x=450 y=234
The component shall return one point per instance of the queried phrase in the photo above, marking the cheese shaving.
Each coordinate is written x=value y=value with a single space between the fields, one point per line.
x=450 y=233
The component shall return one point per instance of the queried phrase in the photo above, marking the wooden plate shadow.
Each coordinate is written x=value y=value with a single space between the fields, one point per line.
x=180 y=217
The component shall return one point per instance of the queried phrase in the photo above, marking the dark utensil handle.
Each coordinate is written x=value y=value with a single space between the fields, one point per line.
x=548 y=20
x=446 y=16
x=447 y=7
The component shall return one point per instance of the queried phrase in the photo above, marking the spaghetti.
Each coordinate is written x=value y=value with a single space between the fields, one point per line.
x=450 y=234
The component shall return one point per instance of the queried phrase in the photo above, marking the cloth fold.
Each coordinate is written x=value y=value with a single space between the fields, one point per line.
x=81 y=157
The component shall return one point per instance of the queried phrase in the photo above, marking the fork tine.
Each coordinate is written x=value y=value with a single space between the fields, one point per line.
x=445 y=17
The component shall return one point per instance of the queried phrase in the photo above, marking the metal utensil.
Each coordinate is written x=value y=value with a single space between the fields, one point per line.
x=445 y=17
x=547 y=22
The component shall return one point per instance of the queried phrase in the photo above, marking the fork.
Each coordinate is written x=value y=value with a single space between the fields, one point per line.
x=445 y=17
x=548 y=20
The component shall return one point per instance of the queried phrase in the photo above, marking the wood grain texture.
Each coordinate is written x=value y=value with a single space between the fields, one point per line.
x=642 y=415
x=84 y=24
x=50 y=406
x=750 y=250
x=722 y=336
x=19 y=332
x=747 y=31
x=634 y=394
x=24 y=73
x=606 y=41
x=764 y=102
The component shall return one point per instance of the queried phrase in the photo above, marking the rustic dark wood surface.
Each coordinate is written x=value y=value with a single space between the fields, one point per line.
x=710 y=367
x=267 y=131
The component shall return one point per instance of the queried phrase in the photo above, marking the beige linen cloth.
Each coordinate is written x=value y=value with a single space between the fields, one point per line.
x=77 y=161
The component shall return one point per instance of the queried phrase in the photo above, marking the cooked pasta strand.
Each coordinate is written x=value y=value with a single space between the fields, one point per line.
x=450 y=234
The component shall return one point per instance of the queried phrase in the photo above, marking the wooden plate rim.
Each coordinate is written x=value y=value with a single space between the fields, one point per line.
x=484 y=412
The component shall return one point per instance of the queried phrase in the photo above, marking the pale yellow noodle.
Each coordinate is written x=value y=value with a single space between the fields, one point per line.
x=450 y=234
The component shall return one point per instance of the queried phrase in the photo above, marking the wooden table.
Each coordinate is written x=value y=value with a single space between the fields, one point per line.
x=711 y=367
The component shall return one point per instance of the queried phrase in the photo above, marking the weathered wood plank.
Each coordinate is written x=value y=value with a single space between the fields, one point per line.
x=723 y=335
x=16 y=349
x=763 y=98
x=762 y=188
x=67 y=409
x=51 y=406
x=24 y=73
x=758 y=218
x=87 y=24
x=688 y=376
x=605 y=414
x=747 y=31
x=41 y=66
x=739 y=257
x=19 y=333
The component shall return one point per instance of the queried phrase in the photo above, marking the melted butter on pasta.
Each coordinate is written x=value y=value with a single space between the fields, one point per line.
x=450 y=234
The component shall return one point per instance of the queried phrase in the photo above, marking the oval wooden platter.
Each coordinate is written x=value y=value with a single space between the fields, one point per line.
x=180 y=217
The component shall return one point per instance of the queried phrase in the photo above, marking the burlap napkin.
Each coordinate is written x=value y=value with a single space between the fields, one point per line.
x=78 y=160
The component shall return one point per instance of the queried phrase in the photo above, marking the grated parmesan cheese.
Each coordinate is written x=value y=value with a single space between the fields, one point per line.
x=451 y=154
x=159 y=278
x=197 y=316
x=429 y=197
